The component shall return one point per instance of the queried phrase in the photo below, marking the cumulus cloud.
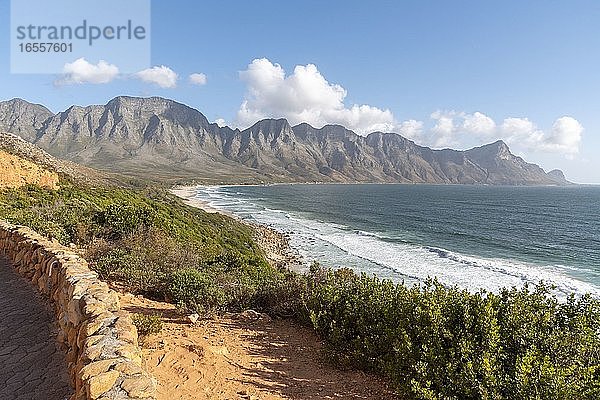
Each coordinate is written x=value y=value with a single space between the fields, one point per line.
x=82 y=71
x=304 y=96
x=162 y=76
x=444 y=130
x=411 y=128
x=198 y=79
x=521 y=131
x=565 y=136
x=479 y=124
x=460 y=129
x=220 y=122
x=452 y=128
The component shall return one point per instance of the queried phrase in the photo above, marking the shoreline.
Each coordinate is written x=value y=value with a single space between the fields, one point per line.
x=275 y=244
x=405 y=262
x=187 y=194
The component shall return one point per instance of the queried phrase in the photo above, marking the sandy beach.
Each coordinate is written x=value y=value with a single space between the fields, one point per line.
x=276 y=245
x=187 y=194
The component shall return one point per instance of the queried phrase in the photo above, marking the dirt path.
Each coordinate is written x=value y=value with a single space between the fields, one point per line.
x=243 y=358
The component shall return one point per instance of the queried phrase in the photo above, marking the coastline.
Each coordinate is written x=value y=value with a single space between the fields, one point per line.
x=275 y=244
x=187 y=194
x=337 y=242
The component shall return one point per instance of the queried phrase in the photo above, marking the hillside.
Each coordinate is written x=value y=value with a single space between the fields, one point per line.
x=16 y=172
x=164 y=139
x=35 y=161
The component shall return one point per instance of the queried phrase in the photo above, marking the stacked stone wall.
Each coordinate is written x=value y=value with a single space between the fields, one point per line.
x=103 y=356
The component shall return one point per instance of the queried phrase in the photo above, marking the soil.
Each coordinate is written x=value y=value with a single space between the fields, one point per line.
x=243 y=356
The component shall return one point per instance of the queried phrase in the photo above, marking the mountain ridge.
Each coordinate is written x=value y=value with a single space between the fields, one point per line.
x=168 y=139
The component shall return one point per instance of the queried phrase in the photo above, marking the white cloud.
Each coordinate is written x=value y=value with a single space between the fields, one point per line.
x=565 y=136
x=81 y=71
x=479 y=124
x=459 y=129
x=521 y=131
x=410 y=129
x=198 y=79
x=452 y=128
x=162 y=76
x=220 y=122
x=444 y=129
x=304 y=96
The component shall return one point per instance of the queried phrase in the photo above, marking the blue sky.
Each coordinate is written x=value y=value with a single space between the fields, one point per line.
x=445 y=73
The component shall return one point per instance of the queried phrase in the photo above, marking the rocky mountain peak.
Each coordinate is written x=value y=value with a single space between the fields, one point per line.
x=331 y=132
x=498 y=150
x=23 y=118
x=157 y=134
x=270 y=130
x=147 y=107
x=558 y=176
x=501 y=147
x=271 y=124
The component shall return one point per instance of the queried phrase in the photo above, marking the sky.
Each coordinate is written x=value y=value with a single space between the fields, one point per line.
x=443 y=73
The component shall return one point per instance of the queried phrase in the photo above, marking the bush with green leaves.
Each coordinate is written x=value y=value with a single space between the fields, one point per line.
x=438 y=342
x=195 y=291
x=122 y=218
x=138 y=237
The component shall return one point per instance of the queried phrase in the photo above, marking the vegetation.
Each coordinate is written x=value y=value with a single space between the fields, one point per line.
x=431 y=341
x=136 y=237
x=435 y=342
x=147 y=324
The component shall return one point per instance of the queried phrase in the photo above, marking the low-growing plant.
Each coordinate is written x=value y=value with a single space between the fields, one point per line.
x=147 y=324
x=438 y=342
x=122 y=218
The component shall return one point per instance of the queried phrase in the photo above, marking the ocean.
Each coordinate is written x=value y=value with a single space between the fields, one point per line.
x=476 y=237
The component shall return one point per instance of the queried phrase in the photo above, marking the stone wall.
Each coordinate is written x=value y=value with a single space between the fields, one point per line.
x=103 y=355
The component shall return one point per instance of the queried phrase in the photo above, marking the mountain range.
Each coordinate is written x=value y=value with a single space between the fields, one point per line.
x=161 y=138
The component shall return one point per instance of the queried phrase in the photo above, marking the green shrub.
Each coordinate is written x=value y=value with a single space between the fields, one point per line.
x=138 y=237
x=195 y=291
x=283 y=296
x=437 y=342
x=124 y=217
x=147 y=324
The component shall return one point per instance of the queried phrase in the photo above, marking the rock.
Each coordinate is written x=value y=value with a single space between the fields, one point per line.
x=251 y=315
x=96 y=368
x=130 y=352
x=220 y=350
x=196 y=349
x=139 y=387
x=193 y=318
x=129 y=368
x=101 y=383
